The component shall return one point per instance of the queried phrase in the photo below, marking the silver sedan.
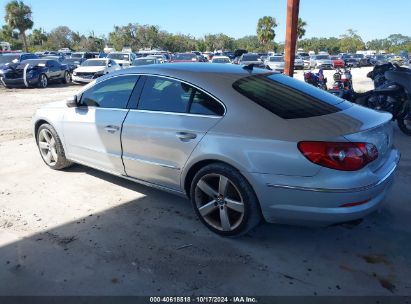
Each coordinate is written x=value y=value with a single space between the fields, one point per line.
x=242 y=144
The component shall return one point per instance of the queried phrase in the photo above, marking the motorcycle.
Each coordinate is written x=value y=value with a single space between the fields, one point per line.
x=392 y=94
x=316 y=79
x=342 y=85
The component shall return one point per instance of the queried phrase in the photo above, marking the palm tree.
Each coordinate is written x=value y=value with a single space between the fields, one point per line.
x=18 y=16
x=301 y=28
x=265 y=29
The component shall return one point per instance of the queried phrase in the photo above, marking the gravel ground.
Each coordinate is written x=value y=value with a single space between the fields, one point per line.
x=83 y=232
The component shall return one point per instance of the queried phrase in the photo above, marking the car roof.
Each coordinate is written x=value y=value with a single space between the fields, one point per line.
x=197 y=73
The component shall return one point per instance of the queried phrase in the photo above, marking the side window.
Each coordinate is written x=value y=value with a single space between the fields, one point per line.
x=205 y=105
x=112 y=93
x=162 y=94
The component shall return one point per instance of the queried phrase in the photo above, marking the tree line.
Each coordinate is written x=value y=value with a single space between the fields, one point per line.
x=18 y=19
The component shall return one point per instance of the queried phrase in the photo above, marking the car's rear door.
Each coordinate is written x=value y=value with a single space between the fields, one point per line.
x=160 y=134
x=92 y=130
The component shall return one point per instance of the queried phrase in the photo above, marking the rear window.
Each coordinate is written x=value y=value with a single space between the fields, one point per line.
x=250 y=57
x=287 y=97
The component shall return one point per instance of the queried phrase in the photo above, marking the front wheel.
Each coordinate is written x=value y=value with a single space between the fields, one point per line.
x=43 y=81
x=404 y=123
x=66 y=78
x=224 y=200
x=51 y=148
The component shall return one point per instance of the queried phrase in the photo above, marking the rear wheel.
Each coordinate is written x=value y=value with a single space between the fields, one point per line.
x=224 y=200
x=51 y=148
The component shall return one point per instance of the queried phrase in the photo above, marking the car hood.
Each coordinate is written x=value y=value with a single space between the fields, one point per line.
x=121 y=61
x=55 y=105
x=90 y=69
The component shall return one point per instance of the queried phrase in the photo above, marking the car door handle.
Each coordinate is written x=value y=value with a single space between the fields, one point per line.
x=186 y=136
x=112 y=129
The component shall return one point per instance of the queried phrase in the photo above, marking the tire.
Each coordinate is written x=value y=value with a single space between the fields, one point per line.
x=43 y=81
x=404 y=124
x=231 y=213
x=67 y=78
x=50 y=148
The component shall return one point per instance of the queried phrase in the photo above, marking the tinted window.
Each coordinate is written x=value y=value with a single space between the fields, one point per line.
x=167 y=95
x=112 y=93
x=287 y=97
x=162 y=94
x=250 y=57
x=203 y=104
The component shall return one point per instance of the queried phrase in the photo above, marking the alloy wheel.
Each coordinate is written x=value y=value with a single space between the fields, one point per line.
x=43 y=81
x=67 y=77
x=47 y=145
x=219 y=202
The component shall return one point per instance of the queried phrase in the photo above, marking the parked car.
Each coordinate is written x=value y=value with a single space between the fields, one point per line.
x=361 y=59
x=251 y=58
x=304 y=55
x=321 y=62
x=123 y=59
x=220 y=59
x=145 y=61
x=73 y=63
x=35 y=72
x=298 y=63
x=305 y=156
x=6 y=59
x=94 y=68
x=275 y=63
x=184 y=57
x=379 y=59
x=82 y=55
x=337 y=61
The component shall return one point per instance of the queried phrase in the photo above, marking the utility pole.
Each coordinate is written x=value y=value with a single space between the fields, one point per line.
x=293 y=7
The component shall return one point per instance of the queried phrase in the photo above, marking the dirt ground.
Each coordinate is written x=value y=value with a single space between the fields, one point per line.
x=83 y=232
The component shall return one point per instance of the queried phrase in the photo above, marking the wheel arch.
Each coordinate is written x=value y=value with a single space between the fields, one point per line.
x=38 y=124
x=191 y=170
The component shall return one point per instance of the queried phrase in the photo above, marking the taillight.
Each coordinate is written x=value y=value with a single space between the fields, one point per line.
x=344 y=156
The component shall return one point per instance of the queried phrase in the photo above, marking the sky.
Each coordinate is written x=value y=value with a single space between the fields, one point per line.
x=236 y=18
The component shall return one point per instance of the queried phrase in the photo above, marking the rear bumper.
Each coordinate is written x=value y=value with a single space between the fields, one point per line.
x=300 y=204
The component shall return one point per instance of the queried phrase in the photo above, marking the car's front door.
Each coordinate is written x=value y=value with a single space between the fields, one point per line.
x=92 y=130
x=159 y=136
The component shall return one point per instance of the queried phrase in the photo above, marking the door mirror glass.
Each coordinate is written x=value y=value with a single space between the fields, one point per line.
x=72 y=102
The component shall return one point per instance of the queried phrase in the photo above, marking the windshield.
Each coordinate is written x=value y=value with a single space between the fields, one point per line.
x=94 y=63
x=184 y=56
x=335 y=58
x=72 y=61
x=8 y=58
x=287 y=97
x=276 y=59
x=379 y=57
x=221 y=60
x=250 y=58
x=118 y=56
x=322 y=57
x=77 y=55
x=358 y=56
x=144 y=61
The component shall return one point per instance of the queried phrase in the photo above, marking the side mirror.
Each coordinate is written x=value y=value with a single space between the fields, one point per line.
x=72 y=102
x=109 y=65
